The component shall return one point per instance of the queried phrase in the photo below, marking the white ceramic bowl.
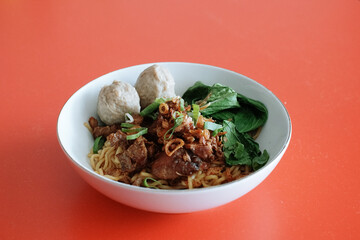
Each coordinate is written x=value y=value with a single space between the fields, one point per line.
x=76 y=141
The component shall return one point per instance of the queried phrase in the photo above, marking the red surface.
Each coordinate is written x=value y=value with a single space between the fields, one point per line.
x=306 y=52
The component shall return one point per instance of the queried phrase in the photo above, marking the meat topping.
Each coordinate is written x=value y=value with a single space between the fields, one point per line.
x=134 y=157
x=166 y=167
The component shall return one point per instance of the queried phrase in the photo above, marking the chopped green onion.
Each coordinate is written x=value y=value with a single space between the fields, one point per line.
x=98 y=144
x=196 y=113
x=130 y=130
x=182 y=107
x=177 y=122
x=152 y=107
x=146 y=183
x=127 y=125
x=136 y=135
x=153 y=115
x=128 y=118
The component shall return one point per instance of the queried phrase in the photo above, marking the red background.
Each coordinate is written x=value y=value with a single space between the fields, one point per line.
x=306 y=52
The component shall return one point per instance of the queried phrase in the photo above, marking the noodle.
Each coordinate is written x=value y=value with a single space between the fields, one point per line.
x=105 y=163
x=87 y=125
x=190 y=185
x=175 y=132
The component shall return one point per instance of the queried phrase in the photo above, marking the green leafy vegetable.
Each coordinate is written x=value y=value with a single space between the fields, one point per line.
x=251 y=115
x=245 y=118
x=240 y=148
x=260 y=161
x=218 y=97
x=197 y=92
x=215 y=132
x=216 y=128
x=225 y=104
x=238 y=115
x=98 y=144
x=212 y=126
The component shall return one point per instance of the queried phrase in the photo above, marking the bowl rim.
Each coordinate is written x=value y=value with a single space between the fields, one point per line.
x=175 y=191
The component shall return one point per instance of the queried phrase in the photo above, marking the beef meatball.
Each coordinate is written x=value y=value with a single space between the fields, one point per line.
x=154 y=82
x=115 y=100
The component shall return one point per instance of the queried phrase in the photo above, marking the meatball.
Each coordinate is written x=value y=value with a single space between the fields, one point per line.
x=115 y=100
x=154 y=82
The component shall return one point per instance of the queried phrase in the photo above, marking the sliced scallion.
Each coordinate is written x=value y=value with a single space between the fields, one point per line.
x=127 y=125
x=136 y=135
x=131 y=130
x=152 y=107
x=178 y=119
x=146 y=183
x=98 y=144
x=196 y=113
x=128 y=118
x=182 y=106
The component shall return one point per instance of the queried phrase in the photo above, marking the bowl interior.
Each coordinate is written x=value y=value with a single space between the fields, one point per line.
x=77 y=141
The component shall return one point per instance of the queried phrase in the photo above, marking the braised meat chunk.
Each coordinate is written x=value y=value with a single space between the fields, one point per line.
x=104 y=131
x=118 y=139
x=134 y=157
x=179 y=164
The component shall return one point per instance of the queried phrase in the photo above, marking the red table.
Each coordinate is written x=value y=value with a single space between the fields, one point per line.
x=306 y=52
